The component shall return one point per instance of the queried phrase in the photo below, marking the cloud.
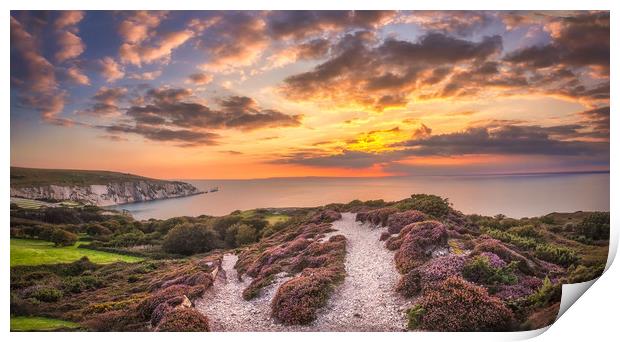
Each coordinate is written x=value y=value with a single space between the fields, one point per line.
x=236 y=40
x=492 y=139
x=67 y=19
x=140 y=25
x=110 y=70
x=75 y=74
x=581 y=40
x=302 y=24
x=105 y=101
x=146 y=76
x=182 y=137
x=392 y=69
x=159 y=49
x=461 y=23
x=200 y=78
x=313 y=49
x=34 y=75
x=71 y=46
x=169 y=107
x=169 y=115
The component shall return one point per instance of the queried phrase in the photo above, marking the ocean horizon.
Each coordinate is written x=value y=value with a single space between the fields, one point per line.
x=514 y=195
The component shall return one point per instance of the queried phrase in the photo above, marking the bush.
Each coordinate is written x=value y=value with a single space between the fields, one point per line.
x=556 y=254
x=546 y=294
x=79 y=284
x=62 y=237
x=519 y=241
x=189 y=239
x=457 y=305
x=582 y=273
x=429 y=204
x=184 y=320
x=418 y=242
x=397 y=221
x=245 y=234
x=44 y=293
x=97 y=229
x=376 y=216
x=414 y=316
x=409 y=284
x=298 y=299
x=480 y=270
x=595 y=226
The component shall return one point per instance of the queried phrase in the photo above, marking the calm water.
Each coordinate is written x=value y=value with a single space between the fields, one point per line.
x=515 y=195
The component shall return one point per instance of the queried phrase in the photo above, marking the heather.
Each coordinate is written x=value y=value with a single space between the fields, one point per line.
x=457 y=305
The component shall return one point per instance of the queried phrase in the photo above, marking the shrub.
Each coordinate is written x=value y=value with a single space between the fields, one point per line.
x=62 y=237
x=519 y=241
x=595 y=226
x=397 y=221
x=418 y=242
x=480 y=270
x=384 y=236
x=528 y=231
x=184 y=320
x=189 y=239
x=96 y=229
x=414 y=316
x=546 y=294
x=376 y=216
x=43 y=293
x=148 y=305
x=79 y=284
x=298 y=299
x=556 y=254
x=245 y=234
x=429 y=204
x=441 y=268
x=505 y=253
x=409 y=284
x=457 y=305
x=326 y=216
x=582 y=273
x=121 y=320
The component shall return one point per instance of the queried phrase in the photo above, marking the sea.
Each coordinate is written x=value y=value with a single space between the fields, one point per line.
x=515 y=195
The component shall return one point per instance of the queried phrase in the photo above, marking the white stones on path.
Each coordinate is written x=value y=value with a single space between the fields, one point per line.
x=365 y=301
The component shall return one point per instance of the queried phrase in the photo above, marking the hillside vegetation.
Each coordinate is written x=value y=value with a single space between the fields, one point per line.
x=456 y=272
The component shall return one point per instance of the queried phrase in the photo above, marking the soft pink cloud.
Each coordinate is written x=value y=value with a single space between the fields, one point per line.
x=76 y=75
x=110 y=70
x=139 y=26
x=68 y=18
x=138 y=54
x=71 y=46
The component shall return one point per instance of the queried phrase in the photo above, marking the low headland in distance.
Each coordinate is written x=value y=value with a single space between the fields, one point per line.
x=322 y=268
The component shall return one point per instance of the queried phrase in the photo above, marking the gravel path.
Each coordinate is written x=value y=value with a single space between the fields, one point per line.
x=365 y=301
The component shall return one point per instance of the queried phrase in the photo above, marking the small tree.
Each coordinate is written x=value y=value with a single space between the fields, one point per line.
x=245 y=234
x=595 y=226
x=62 y=237
x=190 y=239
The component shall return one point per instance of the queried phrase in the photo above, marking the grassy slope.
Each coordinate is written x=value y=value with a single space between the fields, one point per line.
x=21 y=323
x=36 y=252
x=26 y=177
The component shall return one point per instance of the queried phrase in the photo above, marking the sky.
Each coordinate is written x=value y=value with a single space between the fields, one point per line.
x=257 y=94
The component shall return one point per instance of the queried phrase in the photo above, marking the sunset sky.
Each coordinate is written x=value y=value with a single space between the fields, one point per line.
x=222 y=94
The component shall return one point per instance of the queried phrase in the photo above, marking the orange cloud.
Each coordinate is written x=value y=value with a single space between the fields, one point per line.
x=110 y=70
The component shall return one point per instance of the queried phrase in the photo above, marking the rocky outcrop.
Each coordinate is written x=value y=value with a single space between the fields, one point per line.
x=108 y=194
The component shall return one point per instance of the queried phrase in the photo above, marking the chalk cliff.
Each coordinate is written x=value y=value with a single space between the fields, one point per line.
x=107 y=194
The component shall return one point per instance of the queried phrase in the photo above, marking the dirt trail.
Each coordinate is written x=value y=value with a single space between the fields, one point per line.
x=365 y=301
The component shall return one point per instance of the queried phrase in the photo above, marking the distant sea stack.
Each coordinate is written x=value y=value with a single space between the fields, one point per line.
x=93 y=187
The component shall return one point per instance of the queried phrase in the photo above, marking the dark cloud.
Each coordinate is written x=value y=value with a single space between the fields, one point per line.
x=581 y=40
x=391 y=69
x=183 y=137
x=507 y=139
x=168 y=114
x=313 y=49
x=302 y=24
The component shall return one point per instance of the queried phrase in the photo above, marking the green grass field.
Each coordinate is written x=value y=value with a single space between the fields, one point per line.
x=21 y=323
x=29 y=203
x=36 y=252
x=271 y=218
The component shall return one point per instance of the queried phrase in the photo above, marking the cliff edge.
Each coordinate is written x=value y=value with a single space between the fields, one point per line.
x=93 y=187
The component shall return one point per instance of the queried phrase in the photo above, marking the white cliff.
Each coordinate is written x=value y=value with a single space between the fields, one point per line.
x=108 y=194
